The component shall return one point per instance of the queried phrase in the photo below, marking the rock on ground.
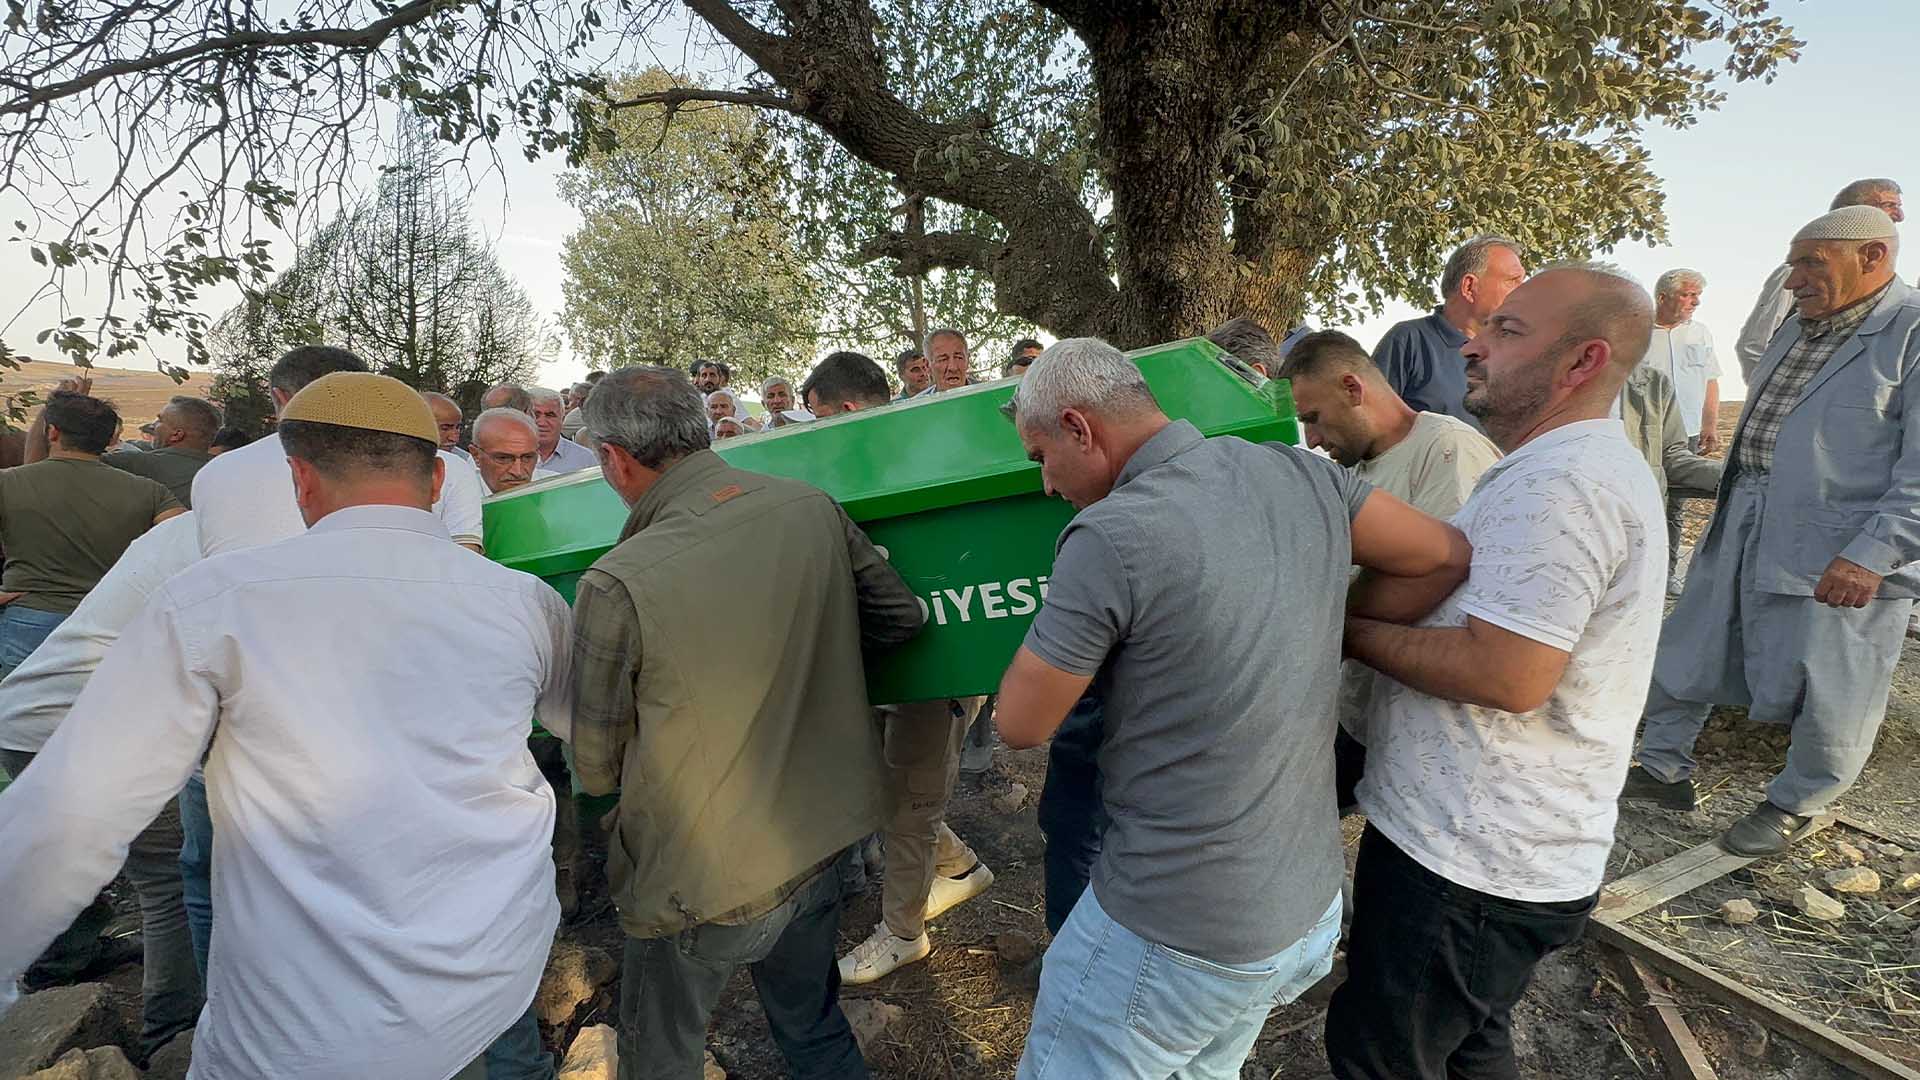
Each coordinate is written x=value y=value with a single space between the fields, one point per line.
x=1815 y=904
x=1853 y=855
x=1739 y=912
x=1857 y=880
x=1011 y=800
x=870 y=1019
x=594 y=1055
x=170 y=1061
x=103 y=1063
x=711 y=1070
x=43 y=1026
x=1015 y=947
x=1907 y=883
x=575 y=974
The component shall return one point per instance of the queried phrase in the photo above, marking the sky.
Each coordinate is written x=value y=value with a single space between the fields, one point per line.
x=1737 y=184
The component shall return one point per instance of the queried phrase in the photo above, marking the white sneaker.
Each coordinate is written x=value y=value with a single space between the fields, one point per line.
x=881 y=954
x=948 y=891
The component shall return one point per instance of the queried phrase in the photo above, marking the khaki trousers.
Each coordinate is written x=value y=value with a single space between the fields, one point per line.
x=922 y=746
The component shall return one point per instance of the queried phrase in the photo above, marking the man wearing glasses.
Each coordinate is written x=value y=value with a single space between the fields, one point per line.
x=506 y=450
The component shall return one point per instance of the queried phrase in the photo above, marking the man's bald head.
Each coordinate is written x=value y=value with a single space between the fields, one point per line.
x=446 y=416
x=1557 y=350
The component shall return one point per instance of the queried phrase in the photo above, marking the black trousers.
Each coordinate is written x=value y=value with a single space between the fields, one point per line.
x=669 y=986
x=1434 y=970
x=1072 y=816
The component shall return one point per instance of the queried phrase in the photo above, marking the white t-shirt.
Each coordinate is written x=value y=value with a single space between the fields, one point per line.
x=1685 y=354
x=1570 y=550
x=244 y=498
x=1433 y=470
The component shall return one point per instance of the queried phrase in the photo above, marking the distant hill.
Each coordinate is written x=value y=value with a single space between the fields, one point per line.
x=138 y=395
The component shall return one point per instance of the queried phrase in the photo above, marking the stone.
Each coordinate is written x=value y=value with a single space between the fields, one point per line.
x=1892 y=851
x=1907 y=883
x=41 y=1027
x=870 y=1020
x=1857 y=880
x=1011 y=800
x=1739 y=912
x=594 y=1055
x=711 y=1070
x=102 y=1063
x=1817 y=905
x=575 y=974
x=170 y=1061
x=1853 y=855
x=1015 y=947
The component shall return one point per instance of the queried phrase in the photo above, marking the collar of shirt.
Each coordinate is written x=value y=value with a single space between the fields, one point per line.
x=1565 y=433
x=383 y=516
x=1844 y=321
x=1176 y=438
x=1450 y=333
x=689 y=471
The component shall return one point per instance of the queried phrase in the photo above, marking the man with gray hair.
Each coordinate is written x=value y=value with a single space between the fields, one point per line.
x=1682 y=354
x=1496 y=740
x=1422 y=356
x=506 y=396
x=1776 y=301
x=1221 y=866
x=575 y=420
x=1800 y=590
x=745 y=763
x=559 y=455
x=776 y=394
x=506 y=450
x=952 y=363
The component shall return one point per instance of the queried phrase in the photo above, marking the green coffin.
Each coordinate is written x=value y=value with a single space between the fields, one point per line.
x=940 y=483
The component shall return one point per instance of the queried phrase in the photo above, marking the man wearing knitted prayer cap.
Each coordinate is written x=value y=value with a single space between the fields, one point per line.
x=383 y=882
x=1798 y=598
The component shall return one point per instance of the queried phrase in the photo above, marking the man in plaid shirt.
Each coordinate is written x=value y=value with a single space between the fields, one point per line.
x=1809 y=557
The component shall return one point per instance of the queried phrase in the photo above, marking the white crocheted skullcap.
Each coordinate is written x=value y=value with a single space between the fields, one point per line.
x=1848 y=223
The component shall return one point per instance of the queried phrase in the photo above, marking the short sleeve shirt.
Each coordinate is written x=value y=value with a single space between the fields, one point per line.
x=172 y=467
x=1685 y=355
x=63 y=523
x=1422 y=362
x=1569 y=550
x=1206 y=595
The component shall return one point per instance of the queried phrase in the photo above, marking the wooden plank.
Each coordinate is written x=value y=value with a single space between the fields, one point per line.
x=1833 y=1045
x=1680 y=1052
x=1664 y=880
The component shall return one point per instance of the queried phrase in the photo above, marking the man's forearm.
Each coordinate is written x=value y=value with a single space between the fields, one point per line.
x=1457 y=663
x=1401 y=599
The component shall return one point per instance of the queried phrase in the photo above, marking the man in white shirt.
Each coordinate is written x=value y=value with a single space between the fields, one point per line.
x=558 y=454
x=1430 y=461
x=384 y=890
x=1775 y=302
x=1682 y=350
x=506 y=450
x=35 y=698
x=1503 y=727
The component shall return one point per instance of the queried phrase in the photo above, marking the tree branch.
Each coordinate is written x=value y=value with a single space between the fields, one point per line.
x=935 y=250
x=370 y=36
x=681 y=95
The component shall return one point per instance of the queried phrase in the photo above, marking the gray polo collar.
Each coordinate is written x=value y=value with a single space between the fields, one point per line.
x=1169 y=442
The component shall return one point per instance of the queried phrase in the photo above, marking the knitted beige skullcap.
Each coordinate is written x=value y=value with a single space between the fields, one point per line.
x=1848 y=223
x=361 y=399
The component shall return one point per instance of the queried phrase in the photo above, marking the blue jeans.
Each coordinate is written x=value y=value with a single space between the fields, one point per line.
x=196 y=866
x=1115 y=1006
x=517 y=1053
x=21 y=631
x=1072 y=817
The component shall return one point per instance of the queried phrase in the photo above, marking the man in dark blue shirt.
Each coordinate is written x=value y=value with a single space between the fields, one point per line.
x=1421 y=357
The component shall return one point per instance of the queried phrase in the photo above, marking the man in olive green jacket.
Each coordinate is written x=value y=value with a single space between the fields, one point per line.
x=745 y=752
x=1651 y=414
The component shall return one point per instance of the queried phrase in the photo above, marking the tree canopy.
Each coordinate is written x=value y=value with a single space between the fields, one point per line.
x=1136 y=170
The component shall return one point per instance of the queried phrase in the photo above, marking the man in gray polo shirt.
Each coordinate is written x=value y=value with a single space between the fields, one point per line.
x=1216 y=894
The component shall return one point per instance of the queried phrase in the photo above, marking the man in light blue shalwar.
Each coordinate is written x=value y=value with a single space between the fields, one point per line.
x=1798 y=599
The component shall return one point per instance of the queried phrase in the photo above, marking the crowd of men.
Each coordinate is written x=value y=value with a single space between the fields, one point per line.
x=296 y=716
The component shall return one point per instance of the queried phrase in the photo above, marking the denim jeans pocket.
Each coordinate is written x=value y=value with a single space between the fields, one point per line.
x=1312 y=956
x=1183 y=1002
x=746 y=943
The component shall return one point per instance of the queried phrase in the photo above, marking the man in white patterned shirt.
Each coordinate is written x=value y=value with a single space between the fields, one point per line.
x=1504 y=726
